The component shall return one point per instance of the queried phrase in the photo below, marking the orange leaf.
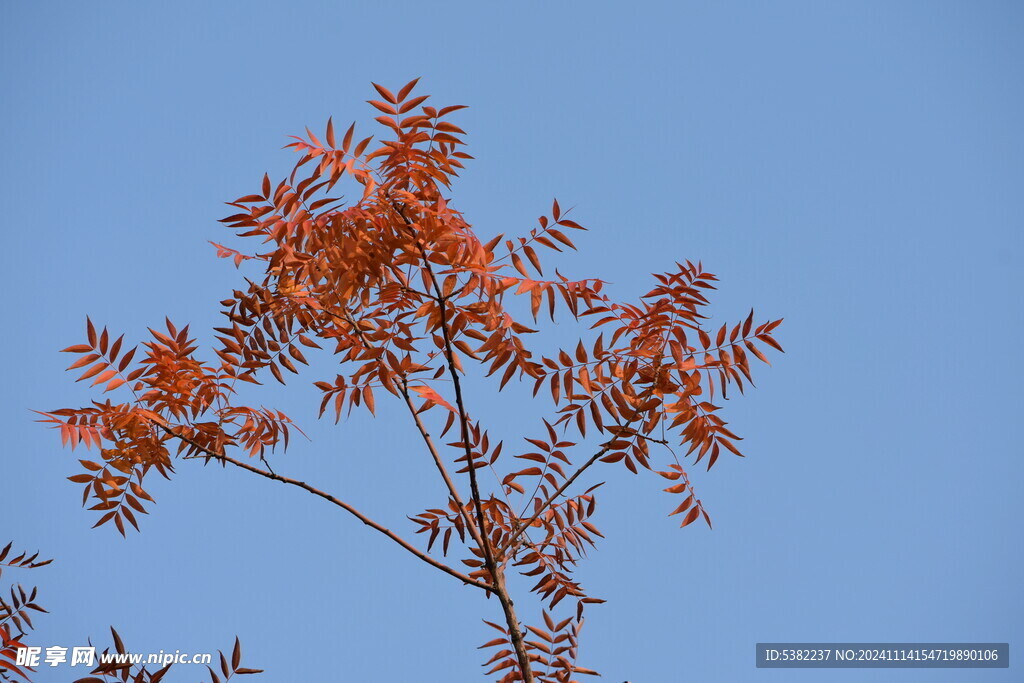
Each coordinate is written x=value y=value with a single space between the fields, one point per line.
x=385 y=93
x=690 y=516
x=114 y=385
x=93 y=371
x=429 y=394
x=77 y=348
x=106 y=376
x=368 y=399
x=406 y=89
x=682 y=506
x=330 y=132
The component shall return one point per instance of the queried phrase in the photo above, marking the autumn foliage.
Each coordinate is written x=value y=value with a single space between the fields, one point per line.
x=16 y=622
x=16 y=610
x=407 y=299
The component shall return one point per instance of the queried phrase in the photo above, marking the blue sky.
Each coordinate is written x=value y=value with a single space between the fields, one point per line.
x=855 y=168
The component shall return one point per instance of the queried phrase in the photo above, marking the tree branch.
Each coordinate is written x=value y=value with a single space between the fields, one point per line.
x=620 y=429
x=520 y=528
x=331 y=499
x=438 y=462
x=515 y=634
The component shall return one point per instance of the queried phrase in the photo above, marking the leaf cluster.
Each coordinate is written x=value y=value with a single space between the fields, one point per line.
x=15 y=619
x=397 y=290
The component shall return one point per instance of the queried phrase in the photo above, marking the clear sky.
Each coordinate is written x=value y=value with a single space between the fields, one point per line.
x=856 y=168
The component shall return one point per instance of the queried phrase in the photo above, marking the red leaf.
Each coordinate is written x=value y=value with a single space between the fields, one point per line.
x=330 y=132
x=78 y=348
x=683 y=506
x=385 y=93
x=406 y=89
x=429 y=394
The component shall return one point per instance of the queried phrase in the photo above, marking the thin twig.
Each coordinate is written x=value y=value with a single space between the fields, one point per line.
x=520 y=528
x=439 y=463
x=508 y=607
x=331 y=499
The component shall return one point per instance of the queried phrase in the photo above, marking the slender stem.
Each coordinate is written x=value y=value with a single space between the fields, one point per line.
x=520 y=528
x=439 y=463
x=497 y=575
x=331 y=499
